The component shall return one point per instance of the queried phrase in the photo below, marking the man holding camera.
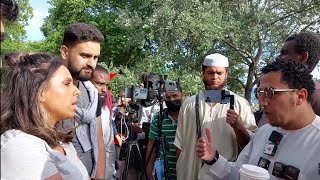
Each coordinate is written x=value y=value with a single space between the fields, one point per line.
x=288 y=146
x=169 y=125
x=231 y=127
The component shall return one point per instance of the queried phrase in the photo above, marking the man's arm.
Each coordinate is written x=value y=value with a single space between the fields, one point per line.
x=242 y=134
x=178 y=152
x=221 y=169
x=152 y=158
x=101 y=163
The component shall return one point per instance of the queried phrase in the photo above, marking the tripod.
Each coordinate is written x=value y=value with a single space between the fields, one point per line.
x=128 y=151
x=127 y=162
x=160 y=141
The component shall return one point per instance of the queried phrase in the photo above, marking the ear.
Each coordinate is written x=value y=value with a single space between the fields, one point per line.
x=304 y=57
x=64 y=51
x=42 y=98
x=302 y=96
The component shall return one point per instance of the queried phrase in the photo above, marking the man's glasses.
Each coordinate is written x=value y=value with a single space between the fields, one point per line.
x=269 y=92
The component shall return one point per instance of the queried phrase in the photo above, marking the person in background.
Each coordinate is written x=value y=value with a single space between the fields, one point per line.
x=8 y=11
x=100 y=79
x=80 y=51
x=173 y=102
x=232 y=127
x=39 y=93
x=304 y=47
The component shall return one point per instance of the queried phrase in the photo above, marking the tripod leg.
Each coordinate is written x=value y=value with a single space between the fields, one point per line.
x=141 y=163
x=127 y=162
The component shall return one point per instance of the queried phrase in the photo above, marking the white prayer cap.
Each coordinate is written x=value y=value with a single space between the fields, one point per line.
x=216 y=60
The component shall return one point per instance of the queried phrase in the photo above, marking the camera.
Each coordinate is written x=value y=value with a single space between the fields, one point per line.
x=159 y=82
x=136 y=93
x=219 y=96
x=154 y=88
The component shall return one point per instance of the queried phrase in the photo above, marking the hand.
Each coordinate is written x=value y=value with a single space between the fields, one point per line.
x=119 y=139
x=233 y=118
x=205 y=149
x=137 y=127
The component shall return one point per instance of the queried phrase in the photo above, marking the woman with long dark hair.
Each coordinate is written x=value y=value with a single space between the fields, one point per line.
x=39 y=92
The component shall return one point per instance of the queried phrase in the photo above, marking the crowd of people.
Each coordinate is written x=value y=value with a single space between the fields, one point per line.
x=60 y=121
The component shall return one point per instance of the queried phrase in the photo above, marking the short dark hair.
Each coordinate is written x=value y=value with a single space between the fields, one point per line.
x=294 y=74
x=20 y=107
x=81 y=32
x=307 y=41
x=101 y=69
x=9 y=9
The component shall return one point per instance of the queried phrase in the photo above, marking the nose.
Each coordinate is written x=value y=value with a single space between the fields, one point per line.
x=104 y=89
x=92 y=63
x=263 y=102
x=214 y=76
x=76 y=91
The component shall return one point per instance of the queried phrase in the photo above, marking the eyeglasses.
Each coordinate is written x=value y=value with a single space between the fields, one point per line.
x=269 y=92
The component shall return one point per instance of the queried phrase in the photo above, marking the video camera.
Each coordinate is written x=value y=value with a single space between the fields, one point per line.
x=154 y=88
x=219 y=96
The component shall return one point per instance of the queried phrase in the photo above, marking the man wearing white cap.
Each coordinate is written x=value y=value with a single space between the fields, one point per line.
x=231 y=128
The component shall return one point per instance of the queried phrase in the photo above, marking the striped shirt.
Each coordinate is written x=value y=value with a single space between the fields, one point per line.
x=169 y=127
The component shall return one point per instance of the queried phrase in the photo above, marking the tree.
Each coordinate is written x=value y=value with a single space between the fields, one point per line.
x=257 y=28
x=173 y=37
x=249 y=32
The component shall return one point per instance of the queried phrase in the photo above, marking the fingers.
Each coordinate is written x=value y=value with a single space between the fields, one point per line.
x=209 y=137
x=231 y=114
x=201 y=144
x=232 y=118
x=201 y=147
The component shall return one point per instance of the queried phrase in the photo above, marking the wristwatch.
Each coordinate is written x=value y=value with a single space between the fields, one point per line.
x=215 y=159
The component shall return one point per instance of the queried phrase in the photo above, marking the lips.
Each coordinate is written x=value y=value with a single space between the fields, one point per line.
x=266 y=112
x=74 y=103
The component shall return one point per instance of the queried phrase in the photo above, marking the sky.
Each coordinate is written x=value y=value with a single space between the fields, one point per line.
x=40 y=11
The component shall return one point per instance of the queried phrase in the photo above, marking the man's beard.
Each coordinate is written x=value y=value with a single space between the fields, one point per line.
x=211 y=87
x=102 y=99
x=77 y=73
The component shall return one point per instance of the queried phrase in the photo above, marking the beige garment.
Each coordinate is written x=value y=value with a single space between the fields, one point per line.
x=188 y=164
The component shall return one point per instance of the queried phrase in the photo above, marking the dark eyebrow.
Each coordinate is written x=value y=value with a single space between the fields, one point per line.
x=85 y=54
x=88 y=55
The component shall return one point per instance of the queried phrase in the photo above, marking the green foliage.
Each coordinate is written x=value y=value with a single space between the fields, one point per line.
x=172 y=37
